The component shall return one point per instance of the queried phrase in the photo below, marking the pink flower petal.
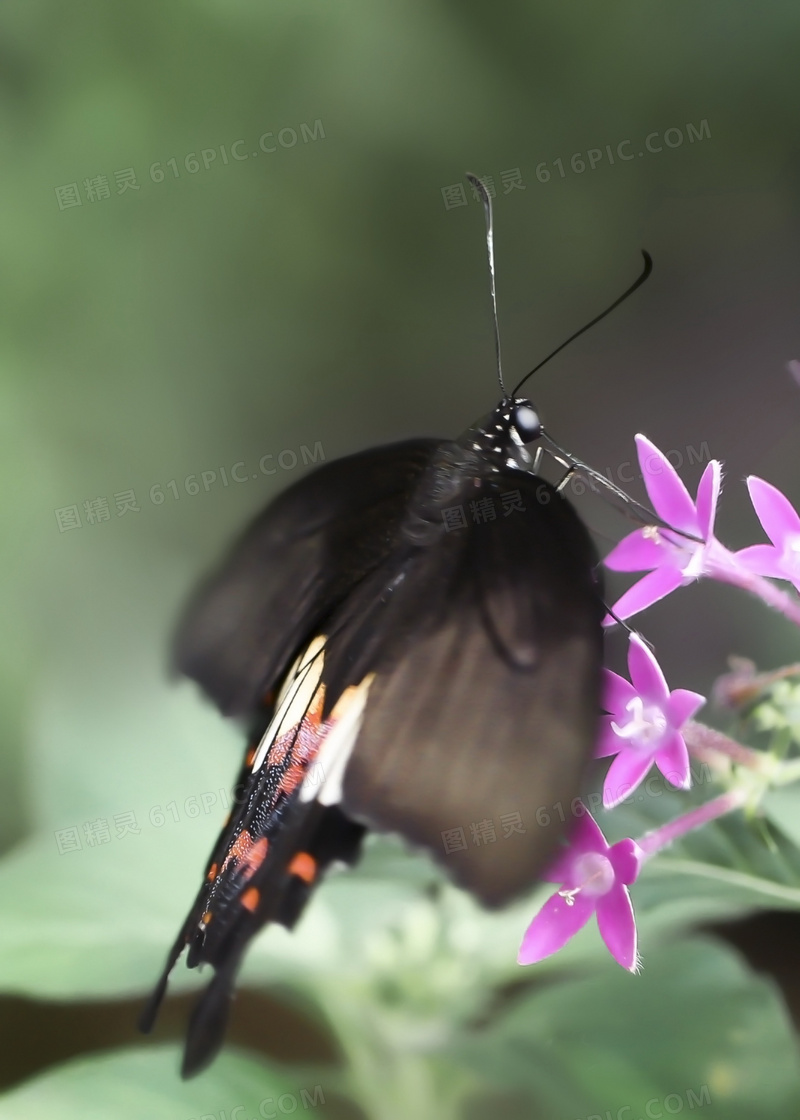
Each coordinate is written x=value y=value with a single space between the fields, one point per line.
x=617 y=692
x=635 y=553
x=763 y=560
x=775 y=512
x=608 y=742
x=650 y=588
x=561 y=868
x=707 y=498
x=672 y=759
x=626 y=858
x=624 y=775
x=682 y=705
x=617 y=926
x=667 y=492
x=584 y=837
x=645 y=672
x=554 y=925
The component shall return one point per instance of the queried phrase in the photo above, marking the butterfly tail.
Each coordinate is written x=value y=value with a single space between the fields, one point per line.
x=209 y=1019
x=149 y=1014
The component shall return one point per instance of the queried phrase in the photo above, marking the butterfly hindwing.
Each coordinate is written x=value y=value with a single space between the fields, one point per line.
x=272 y=850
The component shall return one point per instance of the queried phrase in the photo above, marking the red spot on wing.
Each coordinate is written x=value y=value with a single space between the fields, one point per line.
x=245 y=854
x=255 y=856
x=250 y=899
x=304 y=866
x=239 y=850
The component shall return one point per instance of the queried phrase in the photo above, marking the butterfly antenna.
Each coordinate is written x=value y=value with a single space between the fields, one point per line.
x=648 y=268
x=480 y=187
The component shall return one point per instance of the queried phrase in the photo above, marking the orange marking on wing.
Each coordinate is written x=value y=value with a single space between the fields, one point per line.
x=255 y=856
x=246 y=854
x=350 y=696
x=315 y=709
x=238 y=849
x=206 y=918
x=293 y=776
x=251 y=754
x=304 y=866
x=250 y=899
x=212 y=873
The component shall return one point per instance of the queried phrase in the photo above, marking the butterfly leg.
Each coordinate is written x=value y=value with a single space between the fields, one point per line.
x=570 y=472
x=631 y=507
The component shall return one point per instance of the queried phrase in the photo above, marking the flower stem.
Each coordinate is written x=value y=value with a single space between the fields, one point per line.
x=704 y=742
x=743 y=686
x=732 y=572
x=659 y=838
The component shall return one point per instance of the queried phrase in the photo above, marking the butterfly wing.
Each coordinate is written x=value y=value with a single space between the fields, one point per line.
x=487 y=658
x=454 y=690
x=298 y=559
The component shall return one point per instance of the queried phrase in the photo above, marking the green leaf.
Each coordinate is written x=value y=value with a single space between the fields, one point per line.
x=696 y=1020
x=137 y=1083
x=782 y=806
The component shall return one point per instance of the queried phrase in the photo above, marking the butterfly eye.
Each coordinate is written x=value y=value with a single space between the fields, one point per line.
x=526 y=421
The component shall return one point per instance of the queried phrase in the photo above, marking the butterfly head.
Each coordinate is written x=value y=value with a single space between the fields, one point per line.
x=504 y=434
x=524 y=422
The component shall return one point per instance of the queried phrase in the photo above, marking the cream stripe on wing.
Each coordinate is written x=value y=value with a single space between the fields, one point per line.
x=295 y=697
x=337 y=746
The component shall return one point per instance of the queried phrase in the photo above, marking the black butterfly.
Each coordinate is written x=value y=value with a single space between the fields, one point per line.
x=415 y=632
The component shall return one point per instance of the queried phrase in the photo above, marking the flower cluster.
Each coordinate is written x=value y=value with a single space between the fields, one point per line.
x=645 y=723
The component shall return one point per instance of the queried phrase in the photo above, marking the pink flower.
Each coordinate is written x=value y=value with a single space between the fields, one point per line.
x=675 y=559
x=781 y=523
x=644 y=726
x=595 y=879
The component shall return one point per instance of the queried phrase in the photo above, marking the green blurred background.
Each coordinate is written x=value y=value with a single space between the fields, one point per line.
x=327 y=296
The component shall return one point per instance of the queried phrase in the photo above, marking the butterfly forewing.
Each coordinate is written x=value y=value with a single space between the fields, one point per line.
x=297 y=561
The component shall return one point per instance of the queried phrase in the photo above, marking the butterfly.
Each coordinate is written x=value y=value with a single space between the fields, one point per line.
x=414 y=633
